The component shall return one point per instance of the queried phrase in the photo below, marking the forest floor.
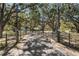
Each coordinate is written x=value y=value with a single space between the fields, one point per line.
x=37 y=44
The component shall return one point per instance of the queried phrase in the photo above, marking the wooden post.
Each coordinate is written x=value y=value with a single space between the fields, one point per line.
x=20 y=34
x=6 y=41
x=75 y=43
x=69 y=39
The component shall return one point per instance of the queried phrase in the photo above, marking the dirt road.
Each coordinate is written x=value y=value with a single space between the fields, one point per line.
x=38 y=45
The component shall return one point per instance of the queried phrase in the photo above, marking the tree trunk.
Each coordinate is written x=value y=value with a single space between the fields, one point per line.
x=77 y=30
x=58 y=25
x=1 y=18
x=77 y=27
x=1 y=31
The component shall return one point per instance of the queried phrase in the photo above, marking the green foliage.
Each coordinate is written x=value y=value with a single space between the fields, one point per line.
x=31 y=18
x=66 y=26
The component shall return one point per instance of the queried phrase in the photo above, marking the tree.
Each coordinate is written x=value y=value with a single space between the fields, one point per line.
x=5 y=16
x=71 y=13
x=34 y=17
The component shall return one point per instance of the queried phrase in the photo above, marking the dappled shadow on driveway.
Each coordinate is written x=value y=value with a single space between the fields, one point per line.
x=34 y=45
x=40 y=47
x=7 y=49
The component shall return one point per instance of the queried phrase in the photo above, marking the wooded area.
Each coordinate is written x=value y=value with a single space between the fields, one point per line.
x=38 y=29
